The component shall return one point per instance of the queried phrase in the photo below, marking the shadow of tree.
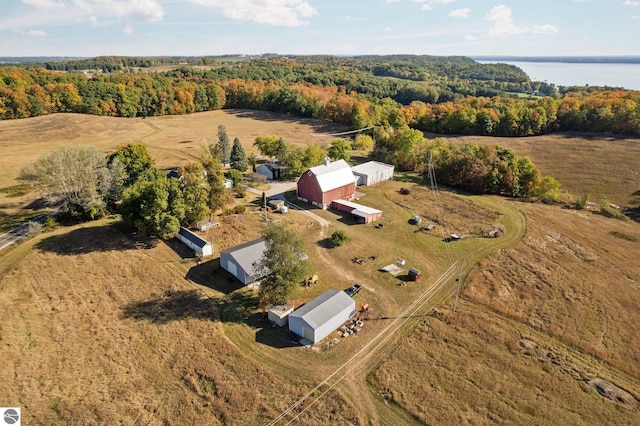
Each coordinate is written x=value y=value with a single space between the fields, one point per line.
x=95 y=239
x=210 y=274
x=174 y=305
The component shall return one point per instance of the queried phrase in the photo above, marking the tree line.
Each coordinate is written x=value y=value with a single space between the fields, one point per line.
x=32 y=92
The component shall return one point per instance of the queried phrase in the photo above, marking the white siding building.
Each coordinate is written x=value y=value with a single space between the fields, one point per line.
x=323 y=315
x=194 y=242
x=239 y=261
x=372 y=172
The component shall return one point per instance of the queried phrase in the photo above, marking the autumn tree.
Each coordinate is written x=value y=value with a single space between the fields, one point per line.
x=339 y=150
x=281 y=264
x=74 y=178
x=195 y=191
x=238 y=156
x=267 y=145
x=155 y=207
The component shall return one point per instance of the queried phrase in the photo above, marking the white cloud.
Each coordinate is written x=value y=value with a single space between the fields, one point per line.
x=387 y=29
x=393 y=1
x=289 y=13
x=36 y=33
x=426 y=7
x=504 y=26
x=128 y=29
x=631 y=3
x=93 y=20
x=43 y=4
x=470 y=37
x=544 y=29
x=460 y=13
x=145 y=10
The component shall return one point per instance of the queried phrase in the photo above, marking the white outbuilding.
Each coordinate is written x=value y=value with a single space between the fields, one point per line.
x=194 y=242
x=372 y=172
x=240 y=261
x=323 y=315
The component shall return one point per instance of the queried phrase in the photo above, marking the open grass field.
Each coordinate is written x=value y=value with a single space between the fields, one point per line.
x=604 y=167
x=100 y=327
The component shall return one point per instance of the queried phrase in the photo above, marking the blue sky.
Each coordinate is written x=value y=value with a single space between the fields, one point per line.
x=339 y=27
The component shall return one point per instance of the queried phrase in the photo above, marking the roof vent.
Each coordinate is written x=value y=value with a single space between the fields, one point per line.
x=326 y=161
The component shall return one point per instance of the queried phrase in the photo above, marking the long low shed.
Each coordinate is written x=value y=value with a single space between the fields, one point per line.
x=194 y=242
x=362 y=213
x=323 y=315
x=240 y=261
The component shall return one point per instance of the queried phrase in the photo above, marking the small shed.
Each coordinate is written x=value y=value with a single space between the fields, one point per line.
x=205 y=225
x=323 y=315
x=276 y=204
x=194 y=242
x=363 y=214
x=414 y=274
x=372 y=172
x=269 y=170
x=278 y=314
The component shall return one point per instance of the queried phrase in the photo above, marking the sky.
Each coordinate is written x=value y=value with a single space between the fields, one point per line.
x=86 y=28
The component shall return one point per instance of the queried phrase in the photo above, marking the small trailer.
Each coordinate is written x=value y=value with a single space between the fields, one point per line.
x=414 y=274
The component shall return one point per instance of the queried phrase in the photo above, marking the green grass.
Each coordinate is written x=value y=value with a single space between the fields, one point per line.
x=624 y=236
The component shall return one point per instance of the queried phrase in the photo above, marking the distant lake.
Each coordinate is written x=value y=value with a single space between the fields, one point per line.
x=580 y=74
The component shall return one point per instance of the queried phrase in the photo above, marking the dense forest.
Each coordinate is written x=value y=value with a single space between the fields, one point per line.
x=428 y=93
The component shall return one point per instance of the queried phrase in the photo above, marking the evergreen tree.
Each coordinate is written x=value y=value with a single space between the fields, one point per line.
x=224 y=146
x=218 y=194
x=238 y=156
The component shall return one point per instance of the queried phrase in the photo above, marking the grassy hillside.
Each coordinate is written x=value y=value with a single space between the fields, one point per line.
x=100 y=327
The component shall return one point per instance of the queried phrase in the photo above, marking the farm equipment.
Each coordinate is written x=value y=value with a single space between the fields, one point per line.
x=311 y=279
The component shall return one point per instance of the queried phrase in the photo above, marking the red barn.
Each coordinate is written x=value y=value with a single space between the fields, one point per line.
x=320 y=185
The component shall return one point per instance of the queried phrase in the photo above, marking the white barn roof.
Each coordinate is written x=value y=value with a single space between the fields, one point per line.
x=358 y=209
x=324 y=307
x=333 y=175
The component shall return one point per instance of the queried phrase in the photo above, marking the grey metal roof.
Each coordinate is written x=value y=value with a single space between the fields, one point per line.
x=371 y=167
x=246 y=254
x=192 y=237
x=324 y=307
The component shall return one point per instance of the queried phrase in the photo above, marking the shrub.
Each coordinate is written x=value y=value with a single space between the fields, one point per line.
x=339 y=237
x=582 y=202
x=240 y=208
x=405 y=191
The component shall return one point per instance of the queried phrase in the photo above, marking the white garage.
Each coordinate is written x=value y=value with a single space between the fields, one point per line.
x=323 y=315
x=239 y=261
x=372 y=172
x=194 y=242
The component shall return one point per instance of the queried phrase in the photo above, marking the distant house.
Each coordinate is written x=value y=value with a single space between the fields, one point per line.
x=228 y=184
x=270 y=170
x=323 y=315
x=194 y=242
x=239 y=261
x=372 y=172
x=320 y=185
x=363 y=214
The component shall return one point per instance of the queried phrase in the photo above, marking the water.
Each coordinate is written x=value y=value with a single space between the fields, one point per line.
x=572 y=74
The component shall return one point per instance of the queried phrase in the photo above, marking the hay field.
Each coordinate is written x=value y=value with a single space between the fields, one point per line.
x=604 y=167
x=100 y=327
x=172 y=140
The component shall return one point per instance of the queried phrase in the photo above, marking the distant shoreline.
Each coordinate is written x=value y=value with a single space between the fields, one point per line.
x=563 y=59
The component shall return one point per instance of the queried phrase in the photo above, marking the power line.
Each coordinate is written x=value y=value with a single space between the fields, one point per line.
x=343 y=133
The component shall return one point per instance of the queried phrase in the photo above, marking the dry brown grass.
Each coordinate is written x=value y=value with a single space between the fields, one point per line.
x=538 y=321
x=101 y=328
x=172 y=140
x=603 y=167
